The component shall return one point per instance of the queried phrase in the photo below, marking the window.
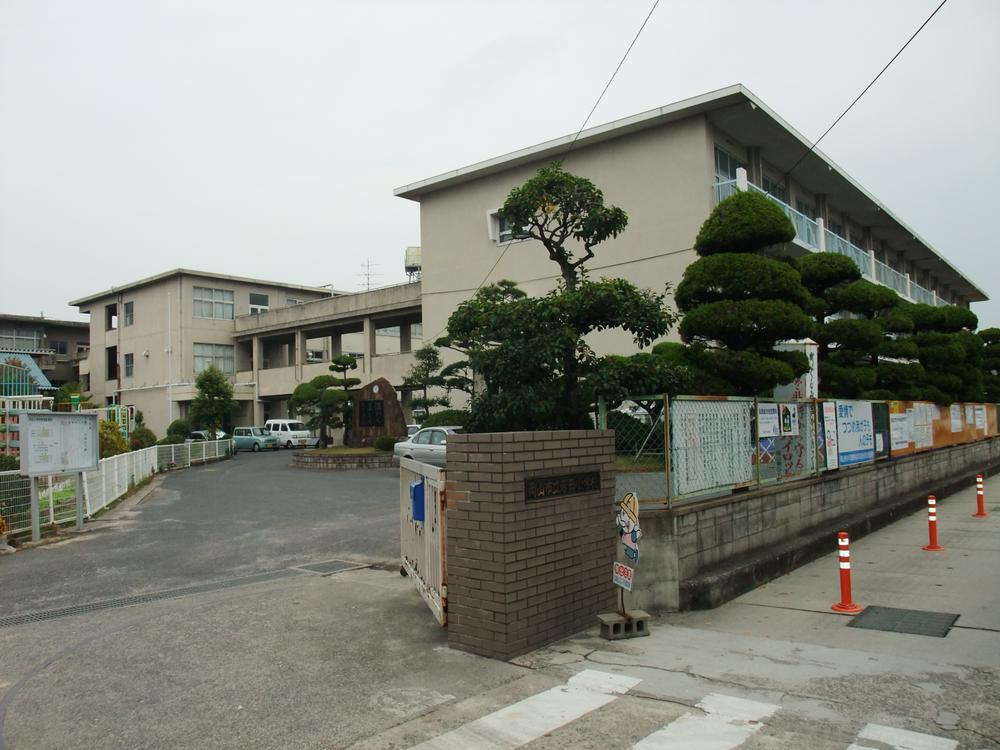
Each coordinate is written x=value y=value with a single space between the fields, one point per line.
x=258 y=303
x=315 y=355
x=20 y=338
x=423 y=438
x=111 y=363
x=437 y=437
x=110 y=317
x=806 y=208
x=213 y=303
x=59 y=347
x=725 y=165
x=220 y=355
x=294 y=301
x=500 y=231
x=129 y=365
x=129 y=313
x=775 y=188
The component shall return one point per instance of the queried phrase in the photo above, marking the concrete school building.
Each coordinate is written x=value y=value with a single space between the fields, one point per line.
x=150 y=338
x=51 y=349
x=667 y=168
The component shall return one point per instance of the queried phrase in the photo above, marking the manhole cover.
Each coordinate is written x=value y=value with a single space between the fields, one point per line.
x=913 y=621
x=331 y=566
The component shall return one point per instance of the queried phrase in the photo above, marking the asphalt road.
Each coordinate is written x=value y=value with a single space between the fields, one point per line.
x=224 y=520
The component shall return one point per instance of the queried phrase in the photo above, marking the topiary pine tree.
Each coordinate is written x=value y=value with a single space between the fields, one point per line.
x=738 y=303
x=424 y=374
x=322 y=403
x=991 y=363
x=952 y=356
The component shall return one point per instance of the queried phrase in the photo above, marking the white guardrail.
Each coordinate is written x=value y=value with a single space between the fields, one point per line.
x=112 y=480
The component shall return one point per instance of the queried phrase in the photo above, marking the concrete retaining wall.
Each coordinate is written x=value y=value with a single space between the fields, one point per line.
x=702 y=554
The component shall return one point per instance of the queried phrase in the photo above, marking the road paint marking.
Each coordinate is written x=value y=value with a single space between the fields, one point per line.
x=536 y=716
x=902 y=739
x=728 y=722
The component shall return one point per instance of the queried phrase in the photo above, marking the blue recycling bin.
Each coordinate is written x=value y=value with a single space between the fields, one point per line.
x=417 y=500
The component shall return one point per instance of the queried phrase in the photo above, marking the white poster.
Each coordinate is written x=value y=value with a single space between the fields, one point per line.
x=58 y=443
x=980 y=417
x=830 y=434
x=956 y=417
x=768 y=420
x=899 y=432
x=970 y=414
x=855 y=432
x=789 y=419
x=924 y=415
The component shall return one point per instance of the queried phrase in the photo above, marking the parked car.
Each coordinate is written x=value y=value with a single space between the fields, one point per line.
x=427 y=445
x=199 y=435
x=254 y=439
x=411 y=429
x=291 y=433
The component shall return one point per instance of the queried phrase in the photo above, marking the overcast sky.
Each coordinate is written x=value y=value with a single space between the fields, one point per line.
x=264 y=139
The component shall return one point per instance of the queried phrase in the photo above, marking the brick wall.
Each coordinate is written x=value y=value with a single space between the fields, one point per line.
x=523 y=573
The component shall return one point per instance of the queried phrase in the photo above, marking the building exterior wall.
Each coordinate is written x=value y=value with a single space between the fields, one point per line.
x=68 y=341
x=662 y=177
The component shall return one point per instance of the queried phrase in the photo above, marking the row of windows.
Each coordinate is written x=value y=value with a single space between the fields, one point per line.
x=205 y=355
x=21 y=338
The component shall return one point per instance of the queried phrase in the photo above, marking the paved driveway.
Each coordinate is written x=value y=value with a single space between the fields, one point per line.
x=251 y=515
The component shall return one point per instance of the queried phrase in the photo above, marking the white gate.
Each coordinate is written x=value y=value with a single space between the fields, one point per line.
x=422 y=532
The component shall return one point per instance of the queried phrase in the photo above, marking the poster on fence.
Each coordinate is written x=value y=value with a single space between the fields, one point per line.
x=924 y=415
x=980 y=417
x=789 y=419
x=830 y=434
x=855 y=432
x=768 y=420
x=956 y=417
x=900 y=429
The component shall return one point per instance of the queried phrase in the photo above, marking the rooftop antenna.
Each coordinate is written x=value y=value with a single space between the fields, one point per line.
x=368 y=274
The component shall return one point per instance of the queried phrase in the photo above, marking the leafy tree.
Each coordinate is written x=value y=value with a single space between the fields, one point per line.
x=447 y=418
x=214 y=404
x=525 y=359
x=65 y=392
x=554 y=207
x=738 y=304
x=111 y=440
x=142 y=437
x=991 y=363
x=424 y=374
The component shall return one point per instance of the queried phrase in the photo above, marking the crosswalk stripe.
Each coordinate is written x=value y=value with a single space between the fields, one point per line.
x=533 y=717
x=902 y=739
x=727 y=723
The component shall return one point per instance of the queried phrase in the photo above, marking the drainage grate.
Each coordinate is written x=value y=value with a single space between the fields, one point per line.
x=914 y=621
x=332 y=566
x=129 y=601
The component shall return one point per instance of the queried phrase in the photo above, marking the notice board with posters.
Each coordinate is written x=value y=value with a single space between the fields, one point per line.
x=855 y=432
x=58 y=443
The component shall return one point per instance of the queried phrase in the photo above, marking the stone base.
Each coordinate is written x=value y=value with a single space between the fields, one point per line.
x=309 y=460
x=634 y=624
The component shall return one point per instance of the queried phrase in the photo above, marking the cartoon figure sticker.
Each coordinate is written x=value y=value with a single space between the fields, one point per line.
x=628 y=525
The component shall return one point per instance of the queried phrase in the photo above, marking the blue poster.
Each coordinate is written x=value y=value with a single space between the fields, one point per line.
x=855 y=432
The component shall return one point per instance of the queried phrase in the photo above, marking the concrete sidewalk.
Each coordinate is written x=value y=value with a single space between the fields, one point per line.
x=780 y=651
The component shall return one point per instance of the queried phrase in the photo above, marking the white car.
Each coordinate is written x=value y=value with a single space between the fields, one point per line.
x=290 y=433
x=427 y=445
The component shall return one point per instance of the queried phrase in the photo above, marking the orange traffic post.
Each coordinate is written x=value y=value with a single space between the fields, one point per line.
x=845 y=604
x=980 y=499
x=932 y=545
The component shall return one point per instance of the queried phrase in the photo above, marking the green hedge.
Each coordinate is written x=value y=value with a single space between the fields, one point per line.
x=386 y=442
x=446 y=418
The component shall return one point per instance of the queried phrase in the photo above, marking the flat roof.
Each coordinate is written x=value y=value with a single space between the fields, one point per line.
x=202 y=274
x=758 y=118
x=42 y=320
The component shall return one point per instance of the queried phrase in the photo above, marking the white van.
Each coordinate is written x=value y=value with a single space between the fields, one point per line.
x=290 y=433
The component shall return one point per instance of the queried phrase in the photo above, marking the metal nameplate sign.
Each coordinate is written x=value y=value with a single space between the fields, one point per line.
x=622 y=575
x=546 y=488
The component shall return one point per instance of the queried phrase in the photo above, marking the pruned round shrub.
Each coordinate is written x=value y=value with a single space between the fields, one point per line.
x=737 y=276
x=142 y=437
x=744 y=223
x=745 y=324
x=171 y=440
x=386 y=442
x=180 y=427
x=447 y=418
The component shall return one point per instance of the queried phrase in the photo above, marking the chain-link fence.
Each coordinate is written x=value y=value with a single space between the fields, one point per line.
x=112 y=480
x=640 y=457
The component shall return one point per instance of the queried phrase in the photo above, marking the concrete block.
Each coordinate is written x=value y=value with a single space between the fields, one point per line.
x=614 y=627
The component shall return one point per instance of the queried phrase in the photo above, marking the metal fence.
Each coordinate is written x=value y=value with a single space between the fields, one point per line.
x=689 y=447
x=422 y=532
x=111 y=481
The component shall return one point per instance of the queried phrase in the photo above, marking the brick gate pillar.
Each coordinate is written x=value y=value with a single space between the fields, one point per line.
x=531 y=538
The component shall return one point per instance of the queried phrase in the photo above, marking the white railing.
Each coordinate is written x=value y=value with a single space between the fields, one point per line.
x=422 y=536
x=807 y=233
x=112 y=480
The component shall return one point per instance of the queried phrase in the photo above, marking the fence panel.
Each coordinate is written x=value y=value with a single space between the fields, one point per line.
x=711 y=445
x=640 y=460
x=422 y=536
x=792 y=451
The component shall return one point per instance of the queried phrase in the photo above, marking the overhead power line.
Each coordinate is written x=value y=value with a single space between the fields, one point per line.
x=573 y=142
x=858 y=98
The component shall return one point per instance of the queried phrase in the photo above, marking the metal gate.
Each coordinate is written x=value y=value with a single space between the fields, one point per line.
x=422 y=532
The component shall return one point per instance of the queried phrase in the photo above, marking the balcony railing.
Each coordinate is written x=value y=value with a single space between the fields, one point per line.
x=808 y=233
